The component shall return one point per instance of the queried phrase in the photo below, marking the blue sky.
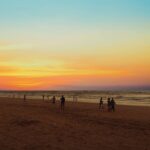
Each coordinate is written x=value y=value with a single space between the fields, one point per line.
x=81 y=11
x=87 y=42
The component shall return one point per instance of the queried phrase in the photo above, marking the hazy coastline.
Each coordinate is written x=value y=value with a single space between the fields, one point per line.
x=122 y=97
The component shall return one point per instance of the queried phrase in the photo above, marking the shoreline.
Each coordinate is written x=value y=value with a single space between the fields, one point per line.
x=105 y=103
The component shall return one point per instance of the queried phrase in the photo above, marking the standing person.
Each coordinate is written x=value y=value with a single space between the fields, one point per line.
x=113 y=104
x=24 y=97
x=62 y=100
x=43 y=97
x=101 y=106
x=108 y=104
x=53 y=99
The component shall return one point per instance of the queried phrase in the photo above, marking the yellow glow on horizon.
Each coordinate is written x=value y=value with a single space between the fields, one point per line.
x=85 y=57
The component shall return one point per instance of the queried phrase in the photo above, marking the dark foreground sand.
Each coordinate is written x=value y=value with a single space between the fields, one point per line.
x=37 y=125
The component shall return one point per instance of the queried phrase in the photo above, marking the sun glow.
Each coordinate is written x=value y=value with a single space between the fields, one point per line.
x=78 y=48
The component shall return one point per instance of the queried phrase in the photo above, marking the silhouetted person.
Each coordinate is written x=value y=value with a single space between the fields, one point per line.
x=53 y=99
x=112 y=104
x=101 y=106
x=24 y=97
x=109 y=104
x=43 y=97
x=62 y=100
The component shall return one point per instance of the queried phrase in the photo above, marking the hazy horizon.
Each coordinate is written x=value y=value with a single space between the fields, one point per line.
x=118 y=88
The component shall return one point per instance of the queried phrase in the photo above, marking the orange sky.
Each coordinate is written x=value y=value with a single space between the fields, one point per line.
x=77 y=48
x=103 y=66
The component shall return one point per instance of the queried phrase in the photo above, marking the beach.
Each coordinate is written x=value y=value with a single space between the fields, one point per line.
x=41 y=125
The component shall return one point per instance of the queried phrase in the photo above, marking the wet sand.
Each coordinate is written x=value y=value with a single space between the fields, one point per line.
x=38 y=125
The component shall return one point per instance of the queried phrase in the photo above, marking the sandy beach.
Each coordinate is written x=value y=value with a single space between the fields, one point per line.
x=38 y=125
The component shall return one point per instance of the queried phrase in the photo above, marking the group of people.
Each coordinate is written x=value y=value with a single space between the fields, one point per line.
x=62 y=101
x=110 y=104
x=53 y=99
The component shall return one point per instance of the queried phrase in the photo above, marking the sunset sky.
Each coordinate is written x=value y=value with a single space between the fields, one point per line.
x=74 y=44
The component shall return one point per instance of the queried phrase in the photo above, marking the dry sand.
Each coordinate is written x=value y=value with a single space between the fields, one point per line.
x=38 y=125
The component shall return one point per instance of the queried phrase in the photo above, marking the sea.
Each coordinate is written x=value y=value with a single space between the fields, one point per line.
x=125 y=97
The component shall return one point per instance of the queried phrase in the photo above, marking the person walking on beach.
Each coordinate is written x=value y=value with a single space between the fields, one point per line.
x=112 y=102
x=62 y=100
x=108 y=104
x=101 y=106
x=53 y=99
